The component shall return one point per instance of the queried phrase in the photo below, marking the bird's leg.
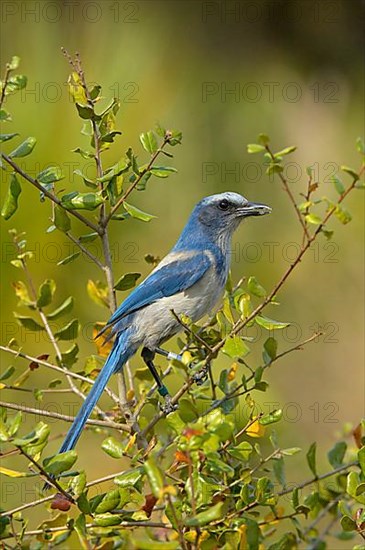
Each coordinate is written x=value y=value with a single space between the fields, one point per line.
x=148 y=356
x=199 y=377
x=169 y=354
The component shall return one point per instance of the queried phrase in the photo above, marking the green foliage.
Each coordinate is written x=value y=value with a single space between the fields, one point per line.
x=211 y=474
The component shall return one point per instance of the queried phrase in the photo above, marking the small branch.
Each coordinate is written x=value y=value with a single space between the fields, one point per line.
x=114 y=209
x=5 y=83
x=45 y=474
x=190 y=331
x=85 y=250
x=49 y=195
x=66 y=418
x=56 y=368
x=291 y=197
x=121 y=525
x=319 y=478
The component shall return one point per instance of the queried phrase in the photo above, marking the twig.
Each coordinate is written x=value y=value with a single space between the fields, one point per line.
x=5 y=83
x=49 y=195
x=319 y=478
x=291 y=197
x=56 y=368
x=120 y=201
x=121 y=525
x=65 y=417
x=49 y=478
x=85 y=250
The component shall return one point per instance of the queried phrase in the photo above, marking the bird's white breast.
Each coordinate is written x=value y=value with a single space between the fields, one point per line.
x=156 y=323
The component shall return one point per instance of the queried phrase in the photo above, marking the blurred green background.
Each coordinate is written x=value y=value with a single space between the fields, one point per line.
x=222 y=73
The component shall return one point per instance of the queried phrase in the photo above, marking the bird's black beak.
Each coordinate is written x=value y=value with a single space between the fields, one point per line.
x=253 y=209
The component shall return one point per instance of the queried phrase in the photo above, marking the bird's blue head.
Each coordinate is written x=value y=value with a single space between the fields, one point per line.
x=226 y=210
x=217 y=216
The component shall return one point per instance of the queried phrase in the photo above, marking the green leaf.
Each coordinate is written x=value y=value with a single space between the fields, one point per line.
x=16 y=83
x=270 y=350
x=83 y=153
x=270 y=418
x=45 y=293
x=255 y=148
x=361 y=457
x=154 y=476
x=69 y=357
x=130 y=478
x=360 y=145
x=68 y=332
x=117 y=169
x=336 y=454
x=109 y=502
x=61 y=219
x=348 y=524
x=274 y=168
x=50 y=175
x=263 y=139
x=98 y=292
x=5 y=116
x=10 y=205
x=353 y=482
x=342 y=214
x=88 y=238
x=162 y=171
x=14 y=63
x=77 y=484
x=270 y=324
x=286 y=151
x=87 y=181
x=137 y=213
x=24 y=148
x=69 y=258
x=82 y=201
x=107 y=520
x=7 y=373
x=207 y=516
x=235 y=347
x=149 y=142
x=28 y=323
x=339 y=186
x=37 y=436
x=64 y=308
x=351 y=172
x=311 y=458
x=313 y=218
x=113 y=447
x=242 y=451
x=76 y=88
x=86 y=112
x=255 y=288
x=59 y=463
x=127 y=281
x=7 y=137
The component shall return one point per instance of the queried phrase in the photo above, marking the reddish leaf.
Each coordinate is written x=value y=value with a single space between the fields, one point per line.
x=357 y=433
x=34 y=365
x=60 y=502
x=149 y=504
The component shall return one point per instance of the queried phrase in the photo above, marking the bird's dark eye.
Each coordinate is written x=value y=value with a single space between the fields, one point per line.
x=223 y=205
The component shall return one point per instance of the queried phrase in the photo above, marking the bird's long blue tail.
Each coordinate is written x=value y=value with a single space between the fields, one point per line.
x=119 y=354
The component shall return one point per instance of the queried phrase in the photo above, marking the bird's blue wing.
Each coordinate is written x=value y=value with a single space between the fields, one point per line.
x=184 y=270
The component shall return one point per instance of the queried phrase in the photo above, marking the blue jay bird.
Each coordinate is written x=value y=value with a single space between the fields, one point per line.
x=189 y=280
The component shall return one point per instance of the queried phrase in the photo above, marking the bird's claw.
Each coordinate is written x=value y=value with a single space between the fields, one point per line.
x=200 y=377
x=168 y=407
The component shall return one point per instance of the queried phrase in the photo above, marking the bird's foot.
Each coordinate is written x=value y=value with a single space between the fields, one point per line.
x=168 y=407
x=200 y=376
